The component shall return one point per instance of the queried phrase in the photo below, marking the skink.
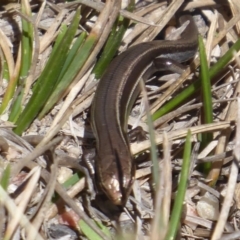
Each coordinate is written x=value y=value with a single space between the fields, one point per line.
x=114 y=98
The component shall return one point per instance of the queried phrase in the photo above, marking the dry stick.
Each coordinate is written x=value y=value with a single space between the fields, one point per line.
x=98 y=6
x=63 y=160
x=230 y=187
x=70 y=202
x=168 y=14
x=72 y=192
x=210 y=36
x=167 y=117
x=234 y=167
x=224 y=138
x=205 y=3
x=55 y=7
x=45 y=204
x=235 y=10
x=163 y=194
x=40 y=12
x=66 y=161
x=22 y=202
x=149 y=8
x=55 y=129
x=217 y=157
x=138 y=206
x=131 y=38
x=69 y=99
x=79 y=106
x=234 y=235
x=167 y=169
x=13 y=210
x=36 y=152
x=143 y=146
x=196 y=62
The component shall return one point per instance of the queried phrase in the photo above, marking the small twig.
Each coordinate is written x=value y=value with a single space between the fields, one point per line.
x=47 y=199
x=136 y=148
x=231 y=184
x=98 y=6
x=69 y=201
x=36 y=152
x=13 y=210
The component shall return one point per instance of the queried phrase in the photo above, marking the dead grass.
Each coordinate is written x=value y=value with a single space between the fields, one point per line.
x=40 y=164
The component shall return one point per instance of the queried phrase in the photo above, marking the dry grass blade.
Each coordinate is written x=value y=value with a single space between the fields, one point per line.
x=5 y=46
x=64 y=134
x=99 y=7
x=22 y=202
x=230 y=187
x=163 y=20
x=163 y=194
x=30 y=78
x=37 y=152
x=14 y=211
x=139 y=147
x=49 y=191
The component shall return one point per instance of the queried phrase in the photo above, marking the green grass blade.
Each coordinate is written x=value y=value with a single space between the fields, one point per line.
x=59 y=39
x=6 y=76
x=5 y=177
x=207 y=111
x=57 y=46
x=89 y=233
x=26 y=60
x=193 y=88
x=206 y=84
x=73 y=69
x=64 y=82
x=76 y=177
x=112 y=44
x=10 y=89
x=178 y=203
x=5 y=70
x=72 y=53
x=47 y=81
